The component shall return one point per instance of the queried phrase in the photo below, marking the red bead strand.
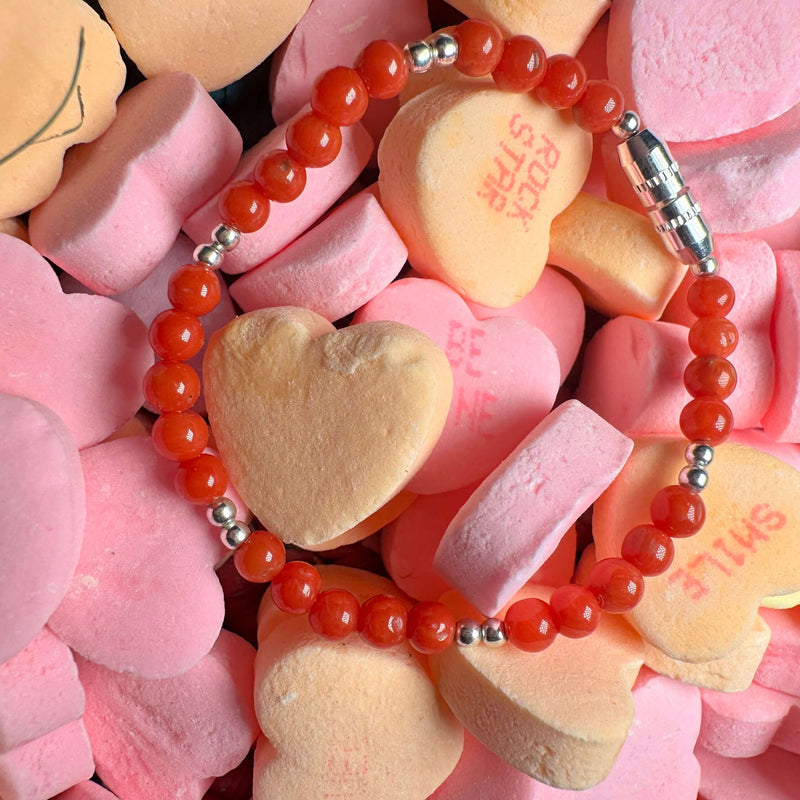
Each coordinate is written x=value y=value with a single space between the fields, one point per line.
x=522 y=65
x=649 y=549
x=678 y=511
x=617 y=584
x=340 y=97
x=279 y=176
x=531 y=625
x=382 y=621
x=600 y=108
x=201 y=480
x=564 y=82
x=576 y=610
x=313 y=142
x=180 y=436
x=383 y=69
x=261 y=557
x=176 y=335
x=334 y=614
x=171 y=386
x=195 y=289
x=480 y=47
x=295 y=588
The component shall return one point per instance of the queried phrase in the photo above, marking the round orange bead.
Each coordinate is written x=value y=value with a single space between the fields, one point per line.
x=280 y=177
x=564 y=82
x=531 y=625
x=171 y=386
x=382 y=621
x=201 y=480
x=576 y=610
x=678 y=511
x=617 y=584
x=260 y=558
x=383 y=69
x=180 y=436
x=431 y=627
x=713 y=336
x=313 y=142
x=522 y=65
x=710 y=296
x=710 y=376
x=340 y=97
x=600 y=108
x=296 y=587
x=649 y=549
x=176 y=335
x=480 y=47
x=706 y=419
x=334 y=615
x=243 y=206
x=194 y=288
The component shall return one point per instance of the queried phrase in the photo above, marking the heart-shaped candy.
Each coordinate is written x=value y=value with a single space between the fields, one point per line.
x=319 y=428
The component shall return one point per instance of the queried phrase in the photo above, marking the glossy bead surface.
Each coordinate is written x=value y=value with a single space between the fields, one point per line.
x=382 y=621
x=201 y=480
x=648 y=548
x=279 y=176
x=467 y=633
x=677 y=511
x=233 y=536
x=480 y=47
x=706 y=419
x=693 y=478
x=431 y=627
x=617 y=585
x=261 y=557
x=194 y=288
x=220 y=512
x=295 y=588
x=176 y=335
x=383 y=68
x=334 y=615
x=313 y=142
x=171 y=386
x=563 y=83
x=180 y=436
x=244 y=206
x=576 y=610
x=711 y=296
x=713 y=336
x=699 y=454
x=600 y=108
x=226 y=236
x=340 y=97
x=522 y=65
x=710 y=376
x=209 y=254
x=493 y=632
x=531 y=625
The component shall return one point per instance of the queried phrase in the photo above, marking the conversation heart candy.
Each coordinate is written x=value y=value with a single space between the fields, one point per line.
x=778 y=668
x=772 y=774
x=705 y=604
x=319 y=428
x=61 y=73
x=497 y=399
x=121 y=200
x=43 y=484
x=86 y=790
x=507 y=165
x=163 y=37
x=398 y=741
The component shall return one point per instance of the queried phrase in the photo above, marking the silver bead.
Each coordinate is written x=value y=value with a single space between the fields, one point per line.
x=444 y=48
x=209 y=254
x=226 y=237
x=234 y=534
x=419 y=57
x=493 y=632
x=468 y=632
x=222 y=512
x=628 y=126
x=694 y=478
x=699 y=454
x=708 y=266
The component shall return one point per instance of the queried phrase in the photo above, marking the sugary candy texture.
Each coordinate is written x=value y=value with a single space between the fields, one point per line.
x=778 y=668
x=86 y=790
x=771 y=775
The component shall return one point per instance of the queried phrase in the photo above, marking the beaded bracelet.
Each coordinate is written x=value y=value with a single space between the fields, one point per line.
x=339 y=98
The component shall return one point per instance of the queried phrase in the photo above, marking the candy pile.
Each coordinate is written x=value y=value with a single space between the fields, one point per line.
x=461 y=386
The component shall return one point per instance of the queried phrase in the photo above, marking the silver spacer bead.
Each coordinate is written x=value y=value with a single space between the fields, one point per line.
x=694 y=478
x=708 y=266
x=444 y=48
x=222 y=512
x=493 y=632
x=419 y=57
x=468 y=633
x=699 y=454
x=628 y=126
x=234 y=534
x=226 y=237
x=209 y=254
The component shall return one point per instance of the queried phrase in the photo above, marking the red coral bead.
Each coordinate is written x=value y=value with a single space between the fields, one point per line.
x=600 y=108
x=713 y=336
x=678 y=511
x=649 y=549
x=334 y=615
x=176 y=335
x=531 y=625
x=313 y=142
x=480 y=47
x=382 y=621
x=617 y=584
x=383 y=69
x=295 y=588
x=340 y=97
x=522 y=65
x=260 y=558
x=706 y=419
x=564 y=82
x=710 y=296
x=180 y=436
x=171 y=386
x=279 y=176
x=201 y=480
x=243 y=206
x=710 y=376
x=576 y=610
x=431 y=627
x=194 y=288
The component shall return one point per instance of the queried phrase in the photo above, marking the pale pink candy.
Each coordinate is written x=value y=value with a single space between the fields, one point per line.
x=39 y=691
x=516 y=518
x=724 y=64
x=743 y=724
x=167 y=739
x=783 y=236
x=47 y=765
x=555 y=307
x=770 y=776
x=782 y=419
x=42 y=486
x=144 y=598
x=757 y=439
x=87 y=790
x=788 y=735
x=778 y=669
x=286 y=220
x=122 y=198
x=47 y=334
x=334 y=268
x=497 y=397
